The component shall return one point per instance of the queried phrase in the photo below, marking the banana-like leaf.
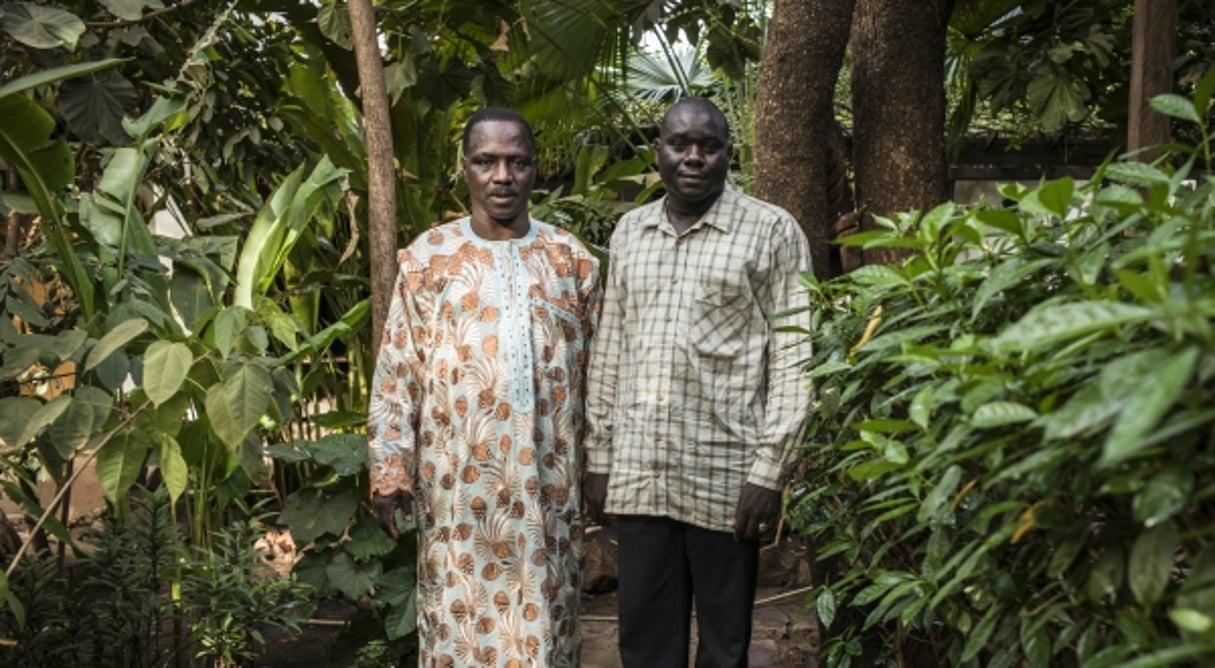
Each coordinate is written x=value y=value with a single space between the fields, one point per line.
x=56 y=74
x=277 y=228
x=46 y=167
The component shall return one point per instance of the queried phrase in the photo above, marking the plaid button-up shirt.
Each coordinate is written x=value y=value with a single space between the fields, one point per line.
x=692 y=392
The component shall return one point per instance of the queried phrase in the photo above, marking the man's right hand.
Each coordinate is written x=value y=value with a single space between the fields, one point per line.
x=594 y=496
x=386 y=507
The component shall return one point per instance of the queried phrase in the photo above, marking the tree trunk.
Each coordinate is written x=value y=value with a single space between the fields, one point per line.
x=898 y=100
x=795 y=115
x=381 y=176
x=1152 y=45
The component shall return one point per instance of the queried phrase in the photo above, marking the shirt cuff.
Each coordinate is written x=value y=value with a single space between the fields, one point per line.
x=598 y=458
x=767 y=473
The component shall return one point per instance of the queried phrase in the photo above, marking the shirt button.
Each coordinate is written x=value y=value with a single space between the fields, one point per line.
x=674 y=280
x=662 y=398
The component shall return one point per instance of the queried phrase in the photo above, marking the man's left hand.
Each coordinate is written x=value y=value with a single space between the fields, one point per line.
x=757 y=513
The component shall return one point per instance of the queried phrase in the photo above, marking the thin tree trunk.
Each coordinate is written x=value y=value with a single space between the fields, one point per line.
x=898 y=104
x=381 y=177
x=795 y=114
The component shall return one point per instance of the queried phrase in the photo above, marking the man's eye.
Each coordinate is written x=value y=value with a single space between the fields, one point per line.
x=520 y=163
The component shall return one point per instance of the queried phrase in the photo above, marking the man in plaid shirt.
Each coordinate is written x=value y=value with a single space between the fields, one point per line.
x=695 y=401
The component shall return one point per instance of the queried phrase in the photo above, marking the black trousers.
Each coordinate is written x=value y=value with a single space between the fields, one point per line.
x=665 y=565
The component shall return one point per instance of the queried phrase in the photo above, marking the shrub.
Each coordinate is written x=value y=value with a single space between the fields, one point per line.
x=1010 y=458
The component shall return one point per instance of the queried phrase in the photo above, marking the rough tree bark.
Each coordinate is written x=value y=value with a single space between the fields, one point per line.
x=381 y=177
x=794 y=113
x=898 y=105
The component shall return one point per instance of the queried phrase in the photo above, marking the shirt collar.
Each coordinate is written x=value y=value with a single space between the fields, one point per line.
x=717 y=216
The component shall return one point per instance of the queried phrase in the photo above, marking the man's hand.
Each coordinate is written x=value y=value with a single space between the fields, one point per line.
x=386 y=507
x=757 y=513
x=594 y=496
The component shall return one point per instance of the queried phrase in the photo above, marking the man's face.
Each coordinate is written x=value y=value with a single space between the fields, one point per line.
x=500 y=171
x=693 y=155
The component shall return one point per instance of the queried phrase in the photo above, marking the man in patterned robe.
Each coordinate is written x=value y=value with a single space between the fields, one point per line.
x=476 y=415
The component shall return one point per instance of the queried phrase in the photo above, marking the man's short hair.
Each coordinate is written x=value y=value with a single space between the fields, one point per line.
x=498 y=114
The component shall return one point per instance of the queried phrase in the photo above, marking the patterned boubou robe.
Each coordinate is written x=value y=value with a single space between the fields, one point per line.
x=477 y=408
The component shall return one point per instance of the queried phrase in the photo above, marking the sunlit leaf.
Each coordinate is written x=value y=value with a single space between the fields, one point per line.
x=1150 y=563
x=40 y=26
x=116 y=338
x=165 y=366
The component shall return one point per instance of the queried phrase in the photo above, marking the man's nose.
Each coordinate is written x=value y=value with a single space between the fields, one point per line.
x=501 y=171
x=694 y=154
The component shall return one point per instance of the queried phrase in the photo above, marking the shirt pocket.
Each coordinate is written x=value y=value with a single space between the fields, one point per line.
x=720 y=315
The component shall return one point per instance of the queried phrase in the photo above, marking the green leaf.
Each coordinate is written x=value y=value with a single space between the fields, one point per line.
x=1001 y=413
x=95 y=105
x=825 y=605
x=1086 y=412
x=129 y=10
x=1157 y=389
x=173 y=468
x=1009 y=273
x=98 y=400
x=977 y=639
x=1136 y=174
x=368 y=541
x=937 y=502
x=227 y=328
x=402 y=620
x=1171 y=104
x=119 y=463
x=311 y=515
x=55 y=74
x=1166 y=494
x=1152 y=559
x=44 y=415
x=71 y=430
x=1057 y=323
x=236 y=405
x=1056 y=195
x=41 y=27
x=877 y=275
x=116 y=338
x=1106 y=577
x=920 y=410
x=165 y=366
x=346 y=453
x=1064 y=554
x=334 y=22
x=1056 y=98
x=1189 y=619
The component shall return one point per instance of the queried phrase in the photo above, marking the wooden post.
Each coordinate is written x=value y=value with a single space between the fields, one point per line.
x=1152 y=45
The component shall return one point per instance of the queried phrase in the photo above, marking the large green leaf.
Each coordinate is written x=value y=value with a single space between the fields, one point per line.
x=46 y=167
x=44 y=415
x=354 y=579
x=235 y=406
x=1166 y=494
x=1056 y=97
x=95 y=105
x=72 y=429
x=278 y=226
x=165 y=365
x=130 y=10
x=116 y=338
x=40 y=26
x=14 y=412
x=310 y=515
x=119 y=463
x=346 y=453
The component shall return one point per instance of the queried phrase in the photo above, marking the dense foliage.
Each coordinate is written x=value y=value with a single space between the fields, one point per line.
x=1011 y=454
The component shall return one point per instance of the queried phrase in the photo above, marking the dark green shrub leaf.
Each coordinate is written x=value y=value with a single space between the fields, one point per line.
x=1057 y=323
x=1056 y=195
x=1106 y=577
x=937 y=503
x=119 y=463
x=1167 y=493
x=236 y=405
x=1156 y=390
x=1171 y=104
x=982 y=631
x=1007 y=274
x=72 y=429
x=402 y=620
x=1150 y=563
x=95 y=105
x=1001 y=413
x=1064 y=554
x=825 y=605
x=1136 y=174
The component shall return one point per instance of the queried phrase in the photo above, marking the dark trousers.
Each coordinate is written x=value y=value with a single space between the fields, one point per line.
x=665 y=565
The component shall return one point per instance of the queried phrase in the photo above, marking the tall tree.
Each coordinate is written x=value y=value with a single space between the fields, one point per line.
x=794 y=112
x=898 y=104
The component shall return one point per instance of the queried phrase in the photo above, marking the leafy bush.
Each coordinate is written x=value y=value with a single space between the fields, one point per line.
x=1011 y=457
x=143 y=595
